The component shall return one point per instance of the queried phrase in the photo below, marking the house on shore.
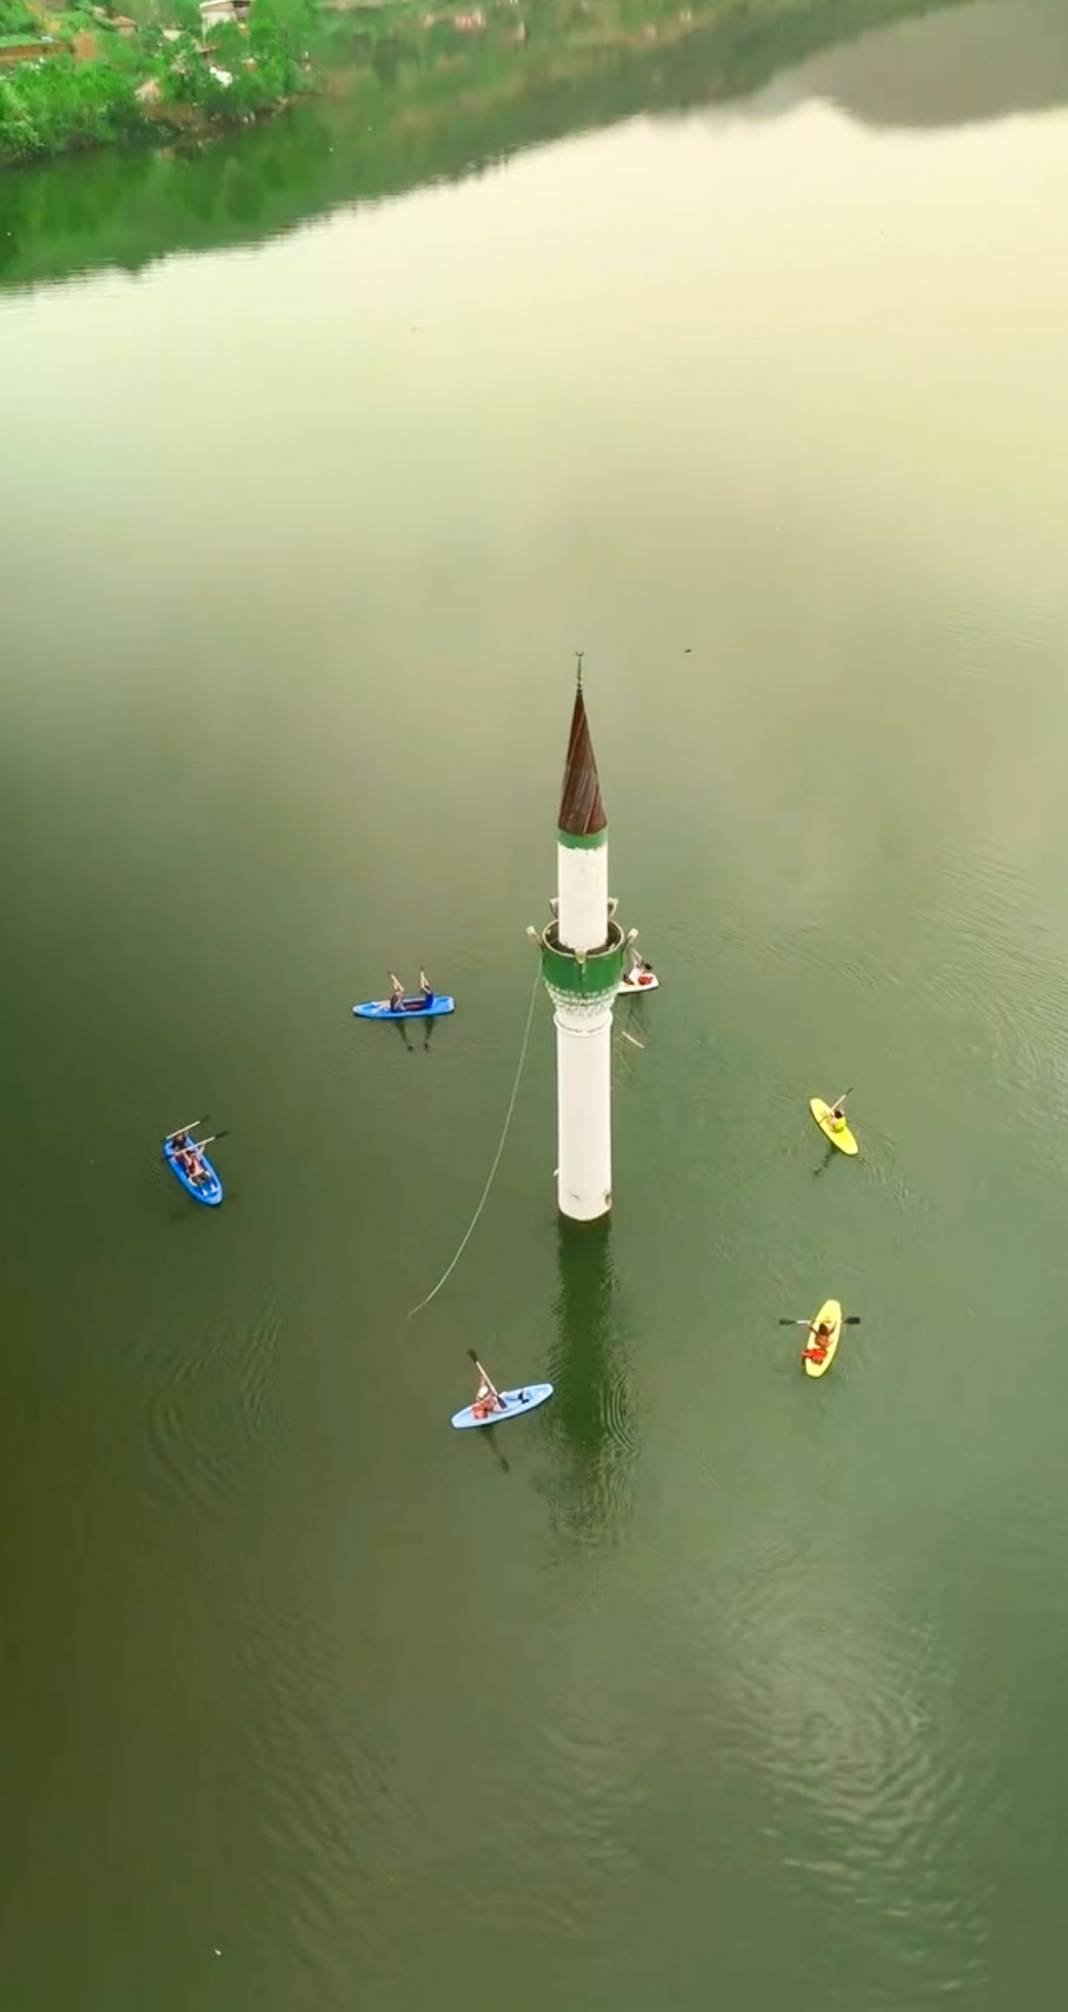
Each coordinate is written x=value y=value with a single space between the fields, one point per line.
x=214 y=12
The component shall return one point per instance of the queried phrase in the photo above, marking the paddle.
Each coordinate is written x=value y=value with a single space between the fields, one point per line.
x=841 y=1099
x=490 y=1386
x=201 y=1145
x=184 y=1128
x=848 y=1320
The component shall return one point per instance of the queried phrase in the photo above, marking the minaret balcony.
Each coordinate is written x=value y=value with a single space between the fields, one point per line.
x=582 y=980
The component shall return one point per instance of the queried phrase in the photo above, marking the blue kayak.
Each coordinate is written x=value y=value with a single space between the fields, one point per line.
x=412 y=1009
x=514 y=1401
x=209 y=1191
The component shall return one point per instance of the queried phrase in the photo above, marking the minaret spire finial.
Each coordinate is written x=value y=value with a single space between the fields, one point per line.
x=581 y=810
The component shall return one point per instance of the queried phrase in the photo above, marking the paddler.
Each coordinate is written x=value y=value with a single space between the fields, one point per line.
x=426 y=989
x=837 y=1116
x=396 y=993
x=821 y=1341
x=186 y=1155
x=487 y=1400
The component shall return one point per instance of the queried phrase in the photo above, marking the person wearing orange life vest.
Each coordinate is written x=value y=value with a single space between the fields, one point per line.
x=821 y=1341
x=487 y=1400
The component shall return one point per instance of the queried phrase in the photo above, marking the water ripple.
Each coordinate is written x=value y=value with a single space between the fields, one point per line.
x=851 y=1713
x=998 y=970
x=207 y=1409
x=591 y=1422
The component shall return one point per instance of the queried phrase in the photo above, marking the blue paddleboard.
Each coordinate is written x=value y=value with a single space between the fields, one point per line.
x=412 y=1009
x=210 y=1192
x=514 y=1401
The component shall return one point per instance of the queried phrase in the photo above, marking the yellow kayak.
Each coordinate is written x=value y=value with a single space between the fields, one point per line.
x=831 y=1312
x=843 y=1137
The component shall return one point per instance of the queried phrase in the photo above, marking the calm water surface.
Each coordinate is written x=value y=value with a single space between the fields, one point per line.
x=704 y=1686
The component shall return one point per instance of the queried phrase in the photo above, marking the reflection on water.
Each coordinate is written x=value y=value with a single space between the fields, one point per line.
x=411 y=103
x=953 y=67
x=592 y=1413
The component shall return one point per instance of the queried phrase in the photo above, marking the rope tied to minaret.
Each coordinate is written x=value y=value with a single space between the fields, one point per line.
x=484 y=1197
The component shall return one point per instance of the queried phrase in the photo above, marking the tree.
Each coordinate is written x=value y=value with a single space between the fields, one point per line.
x=283 y=25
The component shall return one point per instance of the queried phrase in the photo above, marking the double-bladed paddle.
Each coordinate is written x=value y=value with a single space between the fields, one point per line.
x=848 y=1320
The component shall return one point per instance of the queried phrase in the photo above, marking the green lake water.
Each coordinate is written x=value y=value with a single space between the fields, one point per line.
x=741 y=367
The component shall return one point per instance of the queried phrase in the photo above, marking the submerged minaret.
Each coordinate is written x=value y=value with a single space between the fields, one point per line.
x=582 y=960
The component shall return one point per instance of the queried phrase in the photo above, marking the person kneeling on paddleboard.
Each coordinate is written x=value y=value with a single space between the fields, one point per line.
x=486 y=1399
x=821 y=1341
x=837 y=1118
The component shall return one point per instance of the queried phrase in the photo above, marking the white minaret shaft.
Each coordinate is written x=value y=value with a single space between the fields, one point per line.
x=583 y=1116
x=582 y=895
x=581 y=961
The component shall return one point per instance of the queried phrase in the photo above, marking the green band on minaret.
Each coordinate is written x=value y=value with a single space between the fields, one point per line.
x=590 y=978
x=586 y=841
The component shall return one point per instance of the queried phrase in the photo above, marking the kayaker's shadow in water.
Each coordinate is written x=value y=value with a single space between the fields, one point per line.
x=829 y=1155
x=402 y=1029
x=488 y=1433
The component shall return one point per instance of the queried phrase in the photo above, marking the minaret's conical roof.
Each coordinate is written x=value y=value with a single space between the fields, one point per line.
x=581 y=809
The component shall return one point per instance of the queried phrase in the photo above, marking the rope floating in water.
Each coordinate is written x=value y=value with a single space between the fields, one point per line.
x=447 y=1274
